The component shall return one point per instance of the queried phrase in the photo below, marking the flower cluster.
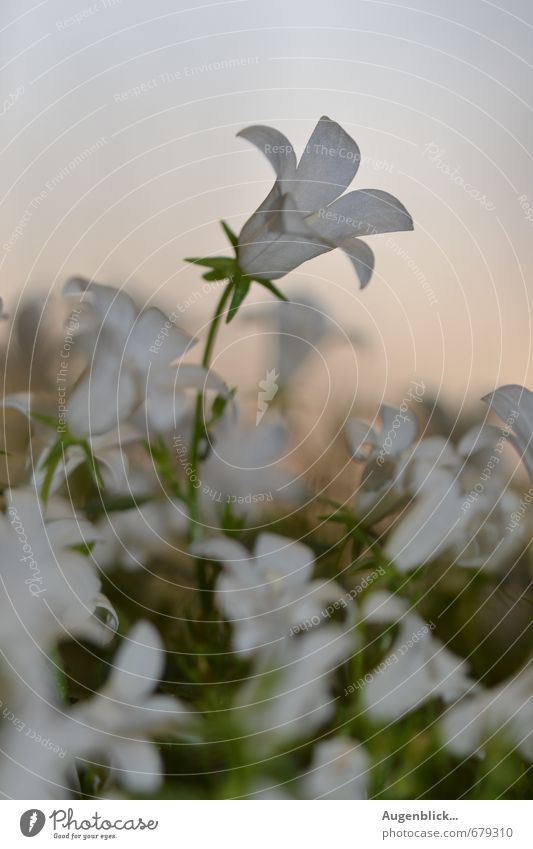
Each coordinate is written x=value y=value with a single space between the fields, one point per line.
x=183 y=614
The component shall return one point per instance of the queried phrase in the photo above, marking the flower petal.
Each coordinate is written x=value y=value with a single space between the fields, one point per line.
x=138 y=765
x=327 y=167
x=428 y=527
x=155 y=340
x=137 y=666
x=281 y=244
x=104 y=395
x=221 y=548
x=113 y=307
x=359 y=434
x=280 y=557
x=398 y=428
x=514 y=405
x=365 y=212
x=167 y=403
x=362 y=258
x=275 y=146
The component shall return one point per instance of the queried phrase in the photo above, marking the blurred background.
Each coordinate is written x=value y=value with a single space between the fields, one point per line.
x=119 y=157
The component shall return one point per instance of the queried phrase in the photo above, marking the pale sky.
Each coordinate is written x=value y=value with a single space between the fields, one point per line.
x=438 y=95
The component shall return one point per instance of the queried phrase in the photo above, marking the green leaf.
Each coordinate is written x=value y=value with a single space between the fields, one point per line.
x=220 y=262
x=241 y=288
x=232 y=525
x=84 y=548
x=50 y=463
x=274 y=289
x=219 y=405
x=47 y=420
x=232 y=237
x=162 y=458
x=215 y=274
x=93 y=464
x=115 y=504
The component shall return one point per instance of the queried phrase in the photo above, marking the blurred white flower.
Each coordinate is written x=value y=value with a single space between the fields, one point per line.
x=385 y=484
x=115 y=724
x=130 y=365
x=244 y=468
x=298 y=327
x=49 y=590
x=461 y=507
x=452 y=499
x=506 y=709
x=268 y=593
x=514 y=406
x=132 y=538
x=304 y=216
x=417 y=668
x=339 y=770
x=397 y=433
x=117 y=720
x=106 y=448
x=289 y=697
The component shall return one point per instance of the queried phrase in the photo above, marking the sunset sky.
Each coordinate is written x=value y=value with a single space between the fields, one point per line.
x=146 y=98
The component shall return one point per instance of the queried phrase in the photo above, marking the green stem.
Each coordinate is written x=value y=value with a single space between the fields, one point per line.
x=195 y=525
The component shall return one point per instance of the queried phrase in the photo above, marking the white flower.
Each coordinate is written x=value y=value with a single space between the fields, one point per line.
x=299 y=327
x=34 y=757
x=506 y=709
x=117 y=720
x=458 y=509
x=115 y=724
x=418 y=667
x=37 y=439
x=49 y=590
x=268 y=594
x=339 y=770
x=383 y=488
x=397 y=433
x=132 y=538
x=264 y=597
x=290 y=697
x=514 y=405
x=304 y=216
x=244 y=468
x=437 y=486
x=129 y=370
